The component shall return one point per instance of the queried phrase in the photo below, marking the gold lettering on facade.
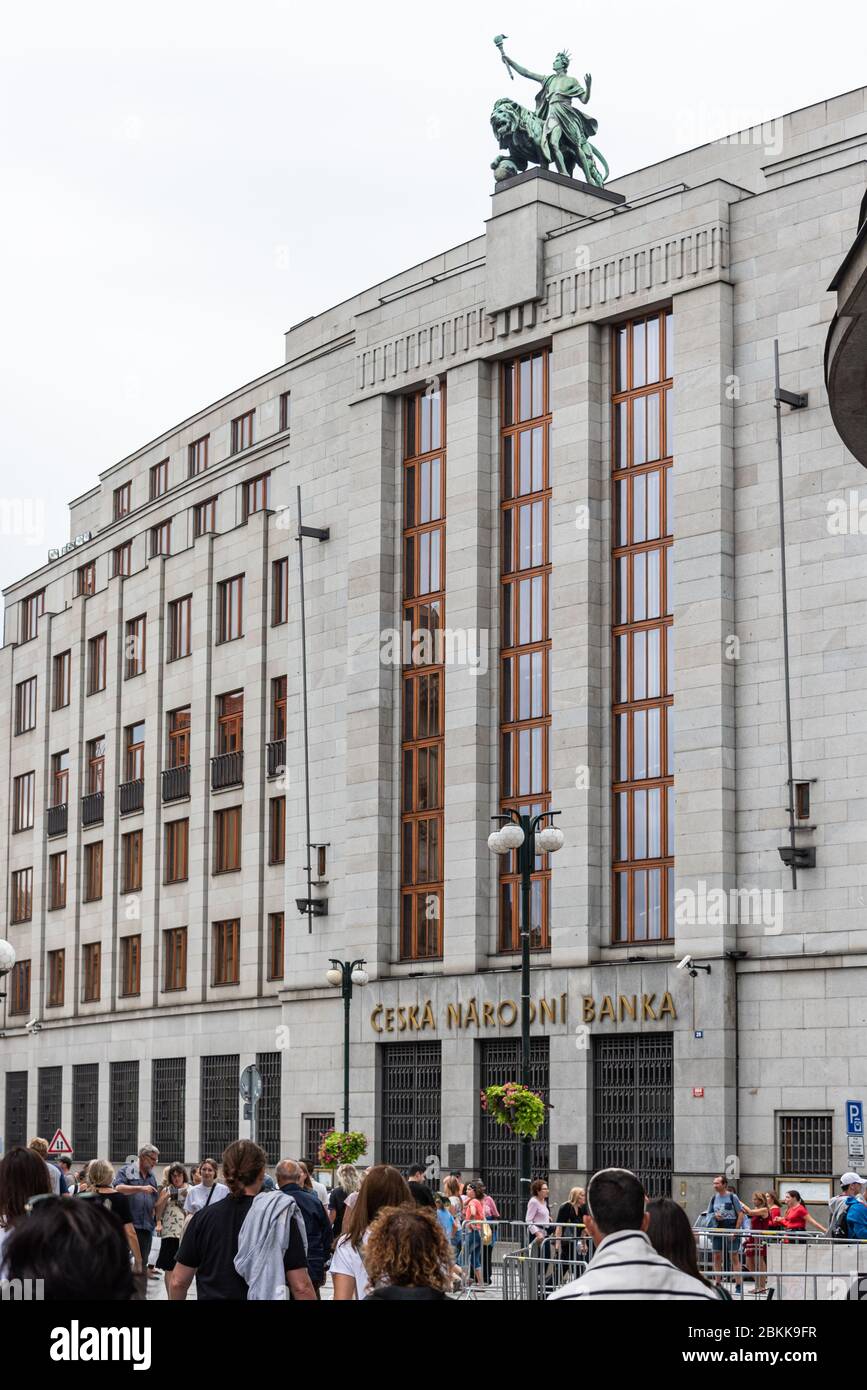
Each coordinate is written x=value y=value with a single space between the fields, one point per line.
x=548 y=1010
x=412 y=1017
x=667 y=1007
x=427 y=1018
x=472 y=1014
x=488 y=1015
x=607 y=1010
x=389 y=1020
x=564 y=1010
x=647 y=1014
x=589 y=1007
x=375 y=1017
x=627 y=1006
x=501 y=1014
x=453 y=1015
x=401 y=1019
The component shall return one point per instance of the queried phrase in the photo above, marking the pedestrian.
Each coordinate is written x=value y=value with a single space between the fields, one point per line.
x=100 y=1178
x=445 y=1217
x=195 y=1176
x=775 y=1217
x=383 y=1186
x=796 y=1217
x=725 y=1214
x=58 y=1181
x=73 y=1187
x=756 y=1250
x=136 y=1180
x=540 y=1229
x=848 y=1211
x=316 y=1222
x=422 y=1195
x=489 y=1230
x=208 y=1190
x=407 y=1257
x=313 y=1184
x=569 y=1230
x=474 y=1220
x=416 y=1173
x=23 y=1174
x=671 y=1236
x=76 y=1248
x=625 y=1266
x=348 y=1180
x=211 y=1242
x=171 y=1218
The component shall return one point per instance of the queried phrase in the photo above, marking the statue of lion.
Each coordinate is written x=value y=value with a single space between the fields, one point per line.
x=519 y=132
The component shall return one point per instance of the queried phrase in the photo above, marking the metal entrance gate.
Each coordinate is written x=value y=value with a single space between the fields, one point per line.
x=633 y=1108
x=501 y=1062
x=411 y=1102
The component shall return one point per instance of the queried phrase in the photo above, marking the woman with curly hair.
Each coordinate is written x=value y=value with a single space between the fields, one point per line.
x=407 y=1257
x=383 y=1186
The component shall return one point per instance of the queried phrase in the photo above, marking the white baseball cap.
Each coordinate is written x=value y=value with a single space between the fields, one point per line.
x=848 y=1179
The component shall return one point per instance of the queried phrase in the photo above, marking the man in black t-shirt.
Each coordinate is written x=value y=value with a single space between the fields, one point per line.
x=210 y=1242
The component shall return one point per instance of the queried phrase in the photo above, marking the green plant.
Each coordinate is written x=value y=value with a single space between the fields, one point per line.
x=521 y=1109
x=338 y=1147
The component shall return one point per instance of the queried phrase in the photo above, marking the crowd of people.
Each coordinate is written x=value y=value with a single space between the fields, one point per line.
x=378 y=1234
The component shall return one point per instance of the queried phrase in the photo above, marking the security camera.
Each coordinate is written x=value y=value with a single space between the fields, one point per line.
x=685 y=963
x=33 y=1025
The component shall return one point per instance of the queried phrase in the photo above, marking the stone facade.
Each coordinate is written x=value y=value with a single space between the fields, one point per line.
x=741 y=239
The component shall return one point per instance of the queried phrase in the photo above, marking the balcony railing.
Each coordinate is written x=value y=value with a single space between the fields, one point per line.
x=176 y=783
x=276 y=757
x=91 y=809
x=227 y=770
x=131 y=797
x=58 y=817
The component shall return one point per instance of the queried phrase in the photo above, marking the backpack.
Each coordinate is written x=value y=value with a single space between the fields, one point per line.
x=839 y=1227
x=731 y=1214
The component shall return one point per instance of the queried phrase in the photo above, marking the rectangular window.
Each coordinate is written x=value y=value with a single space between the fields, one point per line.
x=174 y=959
x=159 y=479
x=61 y=680
x=179 y=737
x=642 y=633
x=279 y=592
x=85 y=579
x=180 y=627
x=96 y=765
x=198 y=456
x=227 y=941
x=135 y=647
x=134 y=752
x=25 y=706
x=423 y=729
x=161 y=539
x=22 y=895
x=227 y=840
x=97 y=650
x=130 y=861
x=93 y=872
x=32 y=609
x=275 y=945
x=230 y=722
x=56 y=881
x=257 y=494
x=60 y=778
x=19 y=990
x=56 y=978
x=123 y=1130
x=525 y=637
x=122 y=501
x=286 y=410
x=121 y=560
x=278 y=708
x=806 y=1146
x=242 y=432
x=277 y=830
x=204 y=517
x=24 y=801
x=130 y=966
x=177 y=851
x=92 y=970
x=230 y=609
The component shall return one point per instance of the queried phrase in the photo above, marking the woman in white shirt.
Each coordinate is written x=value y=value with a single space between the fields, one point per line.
x=208 y=1190
x=383 y=1186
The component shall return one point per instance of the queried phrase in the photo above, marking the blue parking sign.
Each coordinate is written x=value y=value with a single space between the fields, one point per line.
x=854 y=1117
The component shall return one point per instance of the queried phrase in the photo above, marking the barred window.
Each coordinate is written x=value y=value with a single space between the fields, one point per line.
x=268 y=1109
x=315 y=1129
x=85 y=1109
x=806 y=1146
x=123 y=1110
x=218 y=1103
x=168 y=1105
x=49 y=1099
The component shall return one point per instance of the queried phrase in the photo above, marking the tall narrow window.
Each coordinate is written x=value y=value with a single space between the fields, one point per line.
x=179 y=737
x=22 y=895
x=56 y=980
x=60 y=778
x=230 y=609
x=177 y=851
x=277 y=830
x=159 y=479
x=279 y=592
x=204 y=517
x=134 y=752
x=32 y=609
x=122 y=501
x=230 y=722
x=275 y=945
x=257 y=494
x=56 y=881
x=121 y=560
x=227 y=840
x=180 y=627
x=24 y=802
x=422 y=737
x=242 y=432
x=175 y=959
x=85 y=579
x=95 y=771
x=278 y=708
x=642 y=633
x=285 y=410
x=227 y=940
x=97 y=649
x=135 y=647
x=60 y=685
x=130 y=862
x=92 y=969
x=25 y=706
x=161 y=539
x=19 y=992
x=525 y=637
x=93 y=872
x=130 y=965
x=198 y=456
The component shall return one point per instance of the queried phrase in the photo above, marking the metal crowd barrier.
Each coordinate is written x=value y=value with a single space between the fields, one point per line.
x=513 y=1265
x=792 y=1266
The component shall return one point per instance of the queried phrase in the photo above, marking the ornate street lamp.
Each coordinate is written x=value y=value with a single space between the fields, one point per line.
x=343 y=975
x=7 y=960
x=529 y=836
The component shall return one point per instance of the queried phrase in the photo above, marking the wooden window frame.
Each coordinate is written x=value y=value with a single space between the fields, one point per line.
x=32 y=609
x=277 y=830
x=179 y=737
x=280 y=592
x=85 y=579
x=177 y=851
x=180 y=628
x=228 y=841
x=285 y=411
x=56 y=982
x=159 y=480
x=97 y=663
x=196 y=453
x=93 y=871
x=135 y=647
x=121 y=560
x=61 y=680
x=230 y=609
x=21 y=896
x=57 y=870
x=230 y=723
x=635 y=633
x=276 y=966
x=59 y=790
x=257 y=494
x=131 y=855
x=122 y=501
x=130 y=966
x=23 y=802
x=227 y=953
x=26 y=705
x=161 y=539
x=205 y=518
x=279 y=697
x=95 y=765
x=19 y=988
x=174 y=960
x=242 y=431
x=134 y=752
x=91 y=969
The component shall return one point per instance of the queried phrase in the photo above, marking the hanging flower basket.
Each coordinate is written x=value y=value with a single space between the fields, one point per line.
x=338 y=1147
x=517 y=1107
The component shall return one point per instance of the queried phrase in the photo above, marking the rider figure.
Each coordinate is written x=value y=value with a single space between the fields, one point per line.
x=561 y=122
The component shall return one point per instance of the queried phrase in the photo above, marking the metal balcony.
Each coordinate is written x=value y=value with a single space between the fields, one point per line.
x=276 y=757
x=57 y=820
x=176 y=783
x=92 y=809
x=227 y=770
x=131 y=797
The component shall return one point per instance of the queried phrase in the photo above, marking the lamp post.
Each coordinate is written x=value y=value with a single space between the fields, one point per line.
x=524 y=833
x=343 y=975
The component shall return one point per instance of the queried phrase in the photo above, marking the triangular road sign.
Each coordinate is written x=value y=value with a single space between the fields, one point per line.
x=59 y=1144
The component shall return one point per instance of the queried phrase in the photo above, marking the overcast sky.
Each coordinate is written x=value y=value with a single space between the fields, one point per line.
x=183 y=181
